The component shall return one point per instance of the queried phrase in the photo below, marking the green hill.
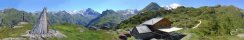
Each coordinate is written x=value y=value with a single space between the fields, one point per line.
x=6 y=32
x=11 y=16
x=150 y=11
x=72 y=32
x=108 y=18
x=218 y=22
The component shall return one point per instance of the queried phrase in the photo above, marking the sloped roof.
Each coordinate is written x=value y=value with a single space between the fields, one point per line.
x=143 y=29
x=152 y=21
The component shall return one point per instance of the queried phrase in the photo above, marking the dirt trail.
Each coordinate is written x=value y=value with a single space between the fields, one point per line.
x=241 y=35
x=197 y=24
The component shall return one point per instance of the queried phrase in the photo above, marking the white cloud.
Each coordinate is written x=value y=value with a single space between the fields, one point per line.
x=175 y=5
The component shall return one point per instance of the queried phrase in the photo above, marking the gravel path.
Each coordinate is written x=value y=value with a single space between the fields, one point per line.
x=197 y=24
x=241 y=35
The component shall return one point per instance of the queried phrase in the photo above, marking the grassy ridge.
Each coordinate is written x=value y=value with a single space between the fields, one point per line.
x=73 y=33
x=218 y=22
x=14 y=32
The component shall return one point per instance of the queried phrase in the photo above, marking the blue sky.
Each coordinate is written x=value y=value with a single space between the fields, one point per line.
x=101 y=5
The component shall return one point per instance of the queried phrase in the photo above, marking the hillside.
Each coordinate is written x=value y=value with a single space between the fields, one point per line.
x=108 y=18
x=218 y=22
x=72 y=32
x=147 y=13
x=76 y=32
x=14 y=32
x=11 y=16
x=152 y=7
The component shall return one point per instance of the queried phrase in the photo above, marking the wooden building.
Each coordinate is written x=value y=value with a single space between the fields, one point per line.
x=159 y=28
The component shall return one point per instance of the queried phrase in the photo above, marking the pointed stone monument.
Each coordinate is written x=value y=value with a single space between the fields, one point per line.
x=40 y=29
x=41 y=26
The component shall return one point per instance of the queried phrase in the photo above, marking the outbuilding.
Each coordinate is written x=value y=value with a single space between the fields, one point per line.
x=158 y=28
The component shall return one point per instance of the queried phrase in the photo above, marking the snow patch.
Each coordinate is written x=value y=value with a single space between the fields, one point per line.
x=175 y=5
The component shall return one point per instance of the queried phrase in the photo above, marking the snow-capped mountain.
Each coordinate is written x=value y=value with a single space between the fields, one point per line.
x=76 y=12
x=172 y=6
x=90 y=13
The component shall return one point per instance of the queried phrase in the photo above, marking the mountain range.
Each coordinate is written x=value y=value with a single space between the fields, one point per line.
x=110 y=18
x=87 y=18
x=81 y=17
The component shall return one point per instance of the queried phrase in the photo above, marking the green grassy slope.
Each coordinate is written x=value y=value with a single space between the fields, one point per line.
x=14 y=32
x=71 y=31
x=218 y=22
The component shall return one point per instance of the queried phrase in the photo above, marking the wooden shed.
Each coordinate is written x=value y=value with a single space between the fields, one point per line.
x=154 y=28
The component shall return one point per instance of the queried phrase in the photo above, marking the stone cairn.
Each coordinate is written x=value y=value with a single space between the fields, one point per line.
x=40 y=29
